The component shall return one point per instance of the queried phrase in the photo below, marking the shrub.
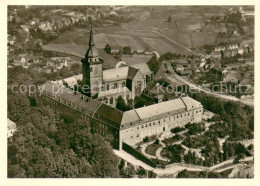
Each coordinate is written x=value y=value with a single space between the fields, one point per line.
x=177 y=129
x=195 y=128
x=146 y=139
x=174 y=153
x=156 y=141
x=250 y=147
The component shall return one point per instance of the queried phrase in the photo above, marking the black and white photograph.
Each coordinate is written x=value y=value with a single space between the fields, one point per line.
x=130 y=91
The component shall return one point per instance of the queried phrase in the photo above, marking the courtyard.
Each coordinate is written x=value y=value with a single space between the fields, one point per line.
x=195 y=144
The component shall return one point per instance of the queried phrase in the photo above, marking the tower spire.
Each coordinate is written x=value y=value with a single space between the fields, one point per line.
x=92 y=51
x=92 y=67
x=91 y=38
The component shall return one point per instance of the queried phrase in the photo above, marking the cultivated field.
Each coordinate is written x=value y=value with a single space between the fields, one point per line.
x=76 y=42
x=138 y=34
x=122 y=40
x=202 y=38
x=101 y=40
x=68 y=48
x=159 y=45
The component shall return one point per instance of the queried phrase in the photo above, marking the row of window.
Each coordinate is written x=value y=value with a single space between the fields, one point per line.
x=156 y=129
x=92 y=60
x=66 y=103
x=104 y=126
x=169 y=119
x=100 y=132
x=101 y=125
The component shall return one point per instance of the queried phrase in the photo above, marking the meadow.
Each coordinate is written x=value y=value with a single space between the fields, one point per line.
x=139 y=35
x=76 y=42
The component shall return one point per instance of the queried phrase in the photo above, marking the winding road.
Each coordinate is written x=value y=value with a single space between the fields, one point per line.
x=173 y=77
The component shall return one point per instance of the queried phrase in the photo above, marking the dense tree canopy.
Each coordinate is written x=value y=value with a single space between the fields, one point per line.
x=127 y=50
x=239 y=118
x=46 y=146
x=121 y=104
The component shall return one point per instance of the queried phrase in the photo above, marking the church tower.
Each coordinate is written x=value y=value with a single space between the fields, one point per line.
x=92 y=68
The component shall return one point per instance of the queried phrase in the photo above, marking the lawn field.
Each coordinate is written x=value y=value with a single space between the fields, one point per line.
x=123 y=40
x=159 y=45
x=202 y=38
x=76 y=42
x=140 y=32
x=137 y=34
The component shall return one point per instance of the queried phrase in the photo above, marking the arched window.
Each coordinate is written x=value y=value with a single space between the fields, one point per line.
x=123 y=84
x=111 y=100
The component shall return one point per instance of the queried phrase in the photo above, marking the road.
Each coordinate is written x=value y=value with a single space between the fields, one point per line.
x=176 y=167
x=173 y=77
x=176 y=43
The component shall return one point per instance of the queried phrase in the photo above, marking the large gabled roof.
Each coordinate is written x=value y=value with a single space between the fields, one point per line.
x=59 y=91
x=109 y=115
x=131 y=73
x=115 y=74
x=190 y=103
x=160 y=108
x=130 y=117
x=113 y=116
x=120 y=73
x=143 y=67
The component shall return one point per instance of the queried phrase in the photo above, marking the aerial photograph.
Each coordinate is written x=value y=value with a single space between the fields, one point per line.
x=130 y=91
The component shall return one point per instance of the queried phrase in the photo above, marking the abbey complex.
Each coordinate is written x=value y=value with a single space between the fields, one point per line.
x=105 y=86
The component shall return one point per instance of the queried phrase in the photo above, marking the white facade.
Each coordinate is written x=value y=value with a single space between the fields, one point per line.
x=156 y=119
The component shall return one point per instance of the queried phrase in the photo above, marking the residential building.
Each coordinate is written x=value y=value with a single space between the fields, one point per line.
x=220 y=48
